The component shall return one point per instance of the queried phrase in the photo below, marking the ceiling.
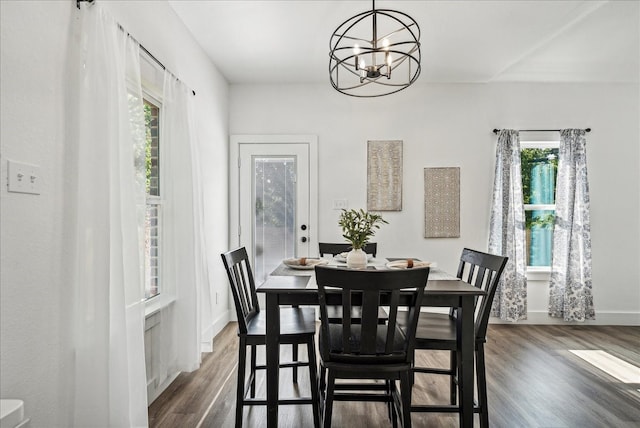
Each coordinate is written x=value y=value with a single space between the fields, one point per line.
x=461 y=41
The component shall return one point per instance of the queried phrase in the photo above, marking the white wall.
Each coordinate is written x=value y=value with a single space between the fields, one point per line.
x=35 y=350
x=450 y=125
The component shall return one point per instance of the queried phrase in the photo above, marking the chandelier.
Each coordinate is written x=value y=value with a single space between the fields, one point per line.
x=375 y=53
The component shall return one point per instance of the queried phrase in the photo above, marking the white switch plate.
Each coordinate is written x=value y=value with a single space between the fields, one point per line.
x=23 y=178
x=340 y=204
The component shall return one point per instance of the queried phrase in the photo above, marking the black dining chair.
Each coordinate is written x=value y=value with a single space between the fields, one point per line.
x=332 y=249
x=438 y=331
x=297 y=326
x=365 y=349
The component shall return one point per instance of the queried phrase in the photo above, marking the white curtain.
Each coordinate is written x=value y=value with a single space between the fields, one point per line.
x=507 y=229
x=107 y=179
x=185 y=275
x=570 y=295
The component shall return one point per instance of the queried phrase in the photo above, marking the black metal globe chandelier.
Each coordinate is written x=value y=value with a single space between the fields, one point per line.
x=375 y=53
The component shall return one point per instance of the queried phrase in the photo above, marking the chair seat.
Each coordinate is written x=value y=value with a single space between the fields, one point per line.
x=293 y=322
x=353 y=357
x=434 y=331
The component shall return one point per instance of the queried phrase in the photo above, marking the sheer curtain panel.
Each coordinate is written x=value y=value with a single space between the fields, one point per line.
x=185 y=275
x=570 y=294
x=106 y=162
x=507 y=229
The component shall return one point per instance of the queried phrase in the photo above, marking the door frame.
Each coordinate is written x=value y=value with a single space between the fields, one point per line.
x=234 y=182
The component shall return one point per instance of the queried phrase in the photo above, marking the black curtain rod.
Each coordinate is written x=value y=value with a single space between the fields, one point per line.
x=83 y=1
x=139 y=44
x=495 y=131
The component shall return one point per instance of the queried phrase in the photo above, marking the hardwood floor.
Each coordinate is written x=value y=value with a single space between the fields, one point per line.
x=533 y=381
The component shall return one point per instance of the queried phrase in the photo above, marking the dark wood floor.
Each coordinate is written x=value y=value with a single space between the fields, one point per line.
x=534 y=381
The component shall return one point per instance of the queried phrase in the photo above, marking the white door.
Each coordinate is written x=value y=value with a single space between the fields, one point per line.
x=277 y=203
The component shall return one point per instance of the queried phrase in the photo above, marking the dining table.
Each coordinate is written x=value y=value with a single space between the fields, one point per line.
x=294 y=286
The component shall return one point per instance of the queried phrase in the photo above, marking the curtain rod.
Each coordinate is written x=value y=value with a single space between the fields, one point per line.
x=495 y=131
x=90 y=2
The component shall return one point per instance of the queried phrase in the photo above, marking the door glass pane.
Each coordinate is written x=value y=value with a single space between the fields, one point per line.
x=275 y=205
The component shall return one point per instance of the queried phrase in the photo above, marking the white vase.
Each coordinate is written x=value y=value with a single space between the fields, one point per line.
x=357 y=259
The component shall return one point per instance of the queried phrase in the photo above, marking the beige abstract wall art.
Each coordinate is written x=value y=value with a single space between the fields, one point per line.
x=384 y=175
x=442 y=202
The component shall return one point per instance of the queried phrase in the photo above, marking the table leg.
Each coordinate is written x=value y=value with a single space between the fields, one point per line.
x=465 y=338
x=273 y=358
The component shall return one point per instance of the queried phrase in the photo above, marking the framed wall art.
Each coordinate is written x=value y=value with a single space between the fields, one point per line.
x=384 y=175
x=442 y=202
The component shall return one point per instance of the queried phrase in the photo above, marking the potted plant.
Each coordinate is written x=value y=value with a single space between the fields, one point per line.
x=358 y=226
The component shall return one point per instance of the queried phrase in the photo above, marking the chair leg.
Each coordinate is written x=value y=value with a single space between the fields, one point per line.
x=405 y=391
x=323 y=381
x=328 y=402
x=242 y=361
x=294 y=356
x=453 y=367
x=482 y=386
x=313 y=377
x=390 y=413
x=253 y=371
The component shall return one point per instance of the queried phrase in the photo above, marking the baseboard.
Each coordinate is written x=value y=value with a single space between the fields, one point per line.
x=154 y=393
x=206 y=344
x=602 y=318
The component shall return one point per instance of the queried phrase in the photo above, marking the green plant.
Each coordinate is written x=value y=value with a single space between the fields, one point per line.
x=358 y=226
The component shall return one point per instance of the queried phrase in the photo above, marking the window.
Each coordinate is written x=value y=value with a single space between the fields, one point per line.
x=153 y=219
x=539 y=164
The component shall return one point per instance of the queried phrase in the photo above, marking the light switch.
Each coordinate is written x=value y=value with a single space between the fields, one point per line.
x=340 y=204
x=23 y=178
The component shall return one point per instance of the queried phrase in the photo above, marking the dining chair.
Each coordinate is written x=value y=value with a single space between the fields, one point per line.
x=438 y=331
x=297 y=326
x=366 y=349
x=332 y=249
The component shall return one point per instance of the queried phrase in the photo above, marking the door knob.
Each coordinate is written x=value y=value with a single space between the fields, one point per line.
x=303 y=227
x=303 y=239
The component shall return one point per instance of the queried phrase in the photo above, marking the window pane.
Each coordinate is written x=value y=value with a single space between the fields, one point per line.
x=539 y=167
x=275 y=202
x=539 y=237
x=151 y=116
x=151 y=251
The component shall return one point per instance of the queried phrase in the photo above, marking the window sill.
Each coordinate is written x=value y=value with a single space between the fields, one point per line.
x=156 y=304
x=538 y=273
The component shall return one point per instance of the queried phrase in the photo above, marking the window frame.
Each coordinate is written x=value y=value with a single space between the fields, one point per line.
x=539 y=272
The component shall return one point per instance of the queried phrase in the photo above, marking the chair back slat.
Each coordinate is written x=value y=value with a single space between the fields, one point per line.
x=370 y=305
x=481 y=270
x=346 y=320
x=369 y=290
x=332 y=248
x=394 y=305
x=236 y=263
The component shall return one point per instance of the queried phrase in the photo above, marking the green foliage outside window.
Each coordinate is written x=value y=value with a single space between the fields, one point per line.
x=529 y=157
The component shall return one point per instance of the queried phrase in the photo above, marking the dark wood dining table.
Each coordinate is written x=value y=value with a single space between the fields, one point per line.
x=301 y=290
